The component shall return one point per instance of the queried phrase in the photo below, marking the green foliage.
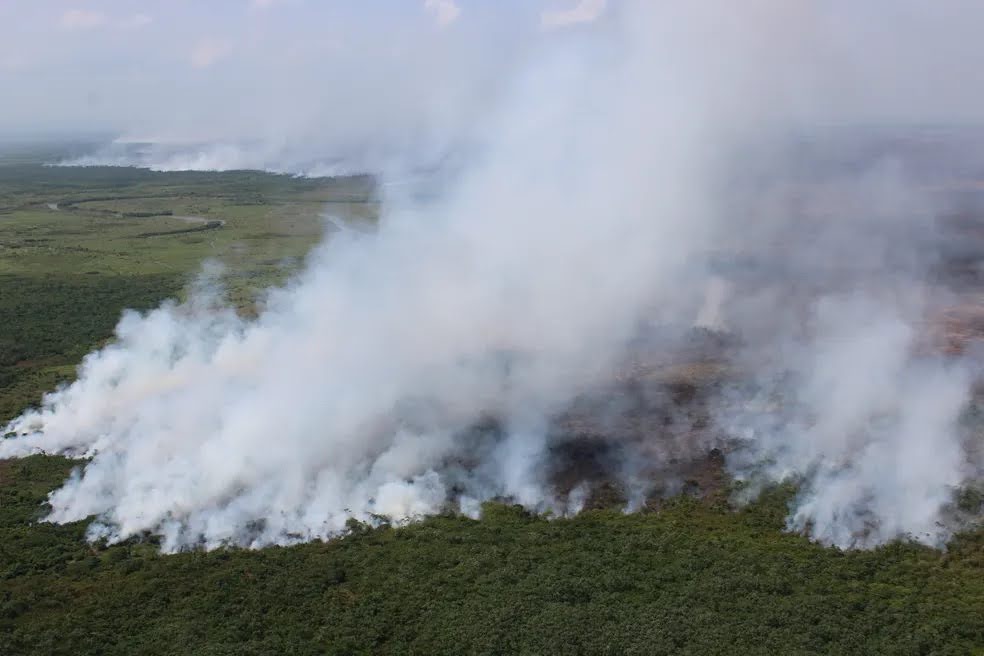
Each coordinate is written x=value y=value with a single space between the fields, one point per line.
x=691 y=579
x=52 y=321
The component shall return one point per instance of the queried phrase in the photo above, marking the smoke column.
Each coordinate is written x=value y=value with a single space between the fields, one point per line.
x=616 y=159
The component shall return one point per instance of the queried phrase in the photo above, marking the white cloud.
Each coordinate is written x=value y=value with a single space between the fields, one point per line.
x=585 y=11
x=208 y=51
x=445 y=11
x=13 y=62
x=81 y=19
x=135 y=21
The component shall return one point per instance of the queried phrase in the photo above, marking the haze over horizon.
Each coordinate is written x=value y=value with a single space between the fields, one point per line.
x=281 y=84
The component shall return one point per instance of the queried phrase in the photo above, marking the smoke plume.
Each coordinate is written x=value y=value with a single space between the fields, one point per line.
x=642 y=175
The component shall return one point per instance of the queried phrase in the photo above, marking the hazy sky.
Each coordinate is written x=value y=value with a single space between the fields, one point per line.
x=180 y=67
x=338 y=71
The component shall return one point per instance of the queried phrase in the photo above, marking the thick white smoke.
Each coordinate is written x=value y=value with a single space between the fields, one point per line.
x=868 y=430
x=348 y=395
x=361 y=390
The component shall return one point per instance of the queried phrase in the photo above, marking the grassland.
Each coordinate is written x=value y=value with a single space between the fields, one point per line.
x=698 y=577
x=77 y=246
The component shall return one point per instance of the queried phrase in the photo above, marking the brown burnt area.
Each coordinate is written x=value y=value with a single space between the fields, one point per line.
x=956 y=330
x=955 y=327
x=650 y=423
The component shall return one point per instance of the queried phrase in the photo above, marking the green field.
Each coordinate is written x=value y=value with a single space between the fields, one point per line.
x=79 y=245
x=698 y=577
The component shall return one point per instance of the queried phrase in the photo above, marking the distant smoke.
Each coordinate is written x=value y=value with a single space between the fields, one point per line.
x=628 y=186
x=244 y=155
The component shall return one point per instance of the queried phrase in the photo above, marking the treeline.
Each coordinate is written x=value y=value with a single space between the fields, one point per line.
x=55 y=319
x=695 y=578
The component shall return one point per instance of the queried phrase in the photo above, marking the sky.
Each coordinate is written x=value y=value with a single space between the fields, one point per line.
x=337 y=75
x=181 y=68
